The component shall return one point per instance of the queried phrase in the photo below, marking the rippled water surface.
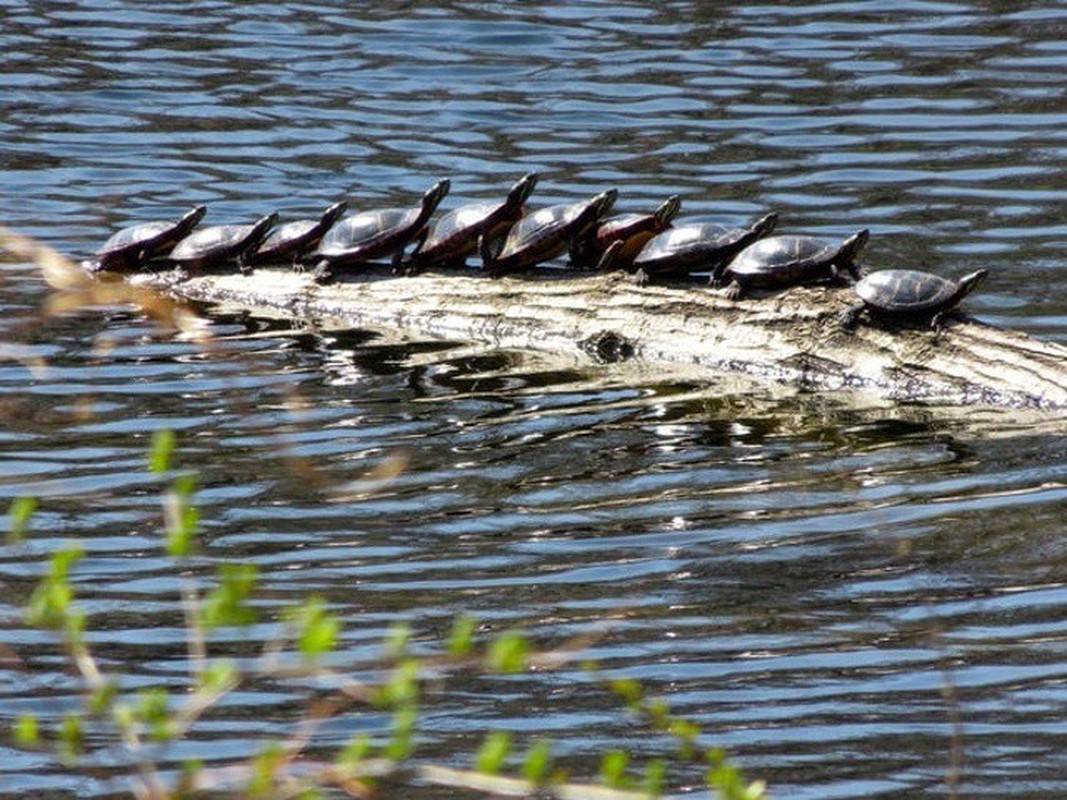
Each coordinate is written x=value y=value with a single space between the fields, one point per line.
x=847 y=597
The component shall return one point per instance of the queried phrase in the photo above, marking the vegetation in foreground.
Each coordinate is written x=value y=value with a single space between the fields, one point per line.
x=146 y=722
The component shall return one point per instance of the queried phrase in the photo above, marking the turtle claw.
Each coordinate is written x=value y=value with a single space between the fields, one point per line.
x=733 y=291
x=641 y=278
x=321 y=274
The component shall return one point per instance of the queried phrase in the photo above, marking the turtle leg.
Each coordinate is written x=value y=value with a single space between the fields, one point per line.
x=322 y=273
x=735 y=291
x=641 y=278
x=850 y=316
x=243 y=265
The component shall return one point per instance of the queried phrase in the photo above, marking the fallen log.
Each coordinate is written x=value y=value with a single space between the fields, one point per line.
x=792 y=336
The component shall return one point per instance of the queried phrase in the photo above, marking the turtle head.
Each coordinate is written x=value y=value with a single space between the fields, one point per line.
x=852 y=247
x=522 y=189
x=668 y=210
x=264 y=224
x=192 y=219
x=765 y=224
x=435 y=194
x=968 y=283
x=334 y=213
x=604 y=202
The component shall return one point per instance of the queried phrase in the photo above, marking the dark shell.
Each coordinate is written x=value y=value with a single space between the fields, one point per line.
x=546 y=233
x=906 y=291
x=455 y=235
x=698 y=247
x=291 y=241
x=132 y=247
x=220 y=244
x=786 y=260
x=372 y=235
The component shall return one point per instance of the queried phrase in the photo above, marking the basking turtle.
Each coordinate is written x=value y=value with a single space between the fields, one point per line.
x=697 y=247
x=453 y=237
x=910 y=295
x=133 y=247
x=633 y=230
x=543 y=235
x=221 y=244
x=780 y=261
x=291 y=241
x=371 y=235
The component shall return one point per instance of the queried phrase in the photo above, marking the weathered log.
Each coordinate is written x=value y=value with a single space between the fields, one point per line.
x=792 y=336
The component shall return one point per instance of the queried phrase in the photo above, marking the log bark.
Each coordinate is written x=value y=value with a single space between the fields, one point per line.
x=792 y=336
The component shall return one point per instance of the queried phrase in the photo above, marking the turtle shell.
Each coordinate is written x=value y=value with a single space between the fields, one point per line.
x=455 y=235
x=371 y=235
x=132 y=247
x=547 y=232
x=633 y=230
x=787 y=260
x=690 y=248
x=291 y=241
x=219 y=244
x=906 y=291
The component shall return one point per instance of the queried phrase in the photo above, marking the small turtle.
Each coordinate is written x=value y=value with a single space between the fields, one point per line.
x=371 y=235
x=455 y=236
x=781 y=261
x=221 y=244
x=133 y=247
x=910 y=295
x=696 y=247
x=291 y=241
x=544 y=234
x=634 y=230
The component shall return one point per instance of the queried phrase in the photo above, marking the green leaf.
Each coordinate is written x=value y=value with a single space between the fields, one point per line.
x=400 y=746
x=102 y=697
x=626 y=689
x=50 y=604
x=153 y=710
x=613 y=769
x=317 y=629
x=396 y=644
x=537 y=766
x=27 y=731
x=655 y=777
x=265 y=768
x=402 y=688
x=493 y=752
x=461 y=637
x=218 y=677
x=159 y=457
x=227 y=603
x=71 y=737
x=508 y=652
x=353 y=753
x=21 y=511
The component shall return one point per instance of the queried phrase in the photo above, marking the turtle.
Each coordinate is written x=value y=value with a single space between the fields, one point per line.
x=220 y=244
x=779 y=261
x=454 y=236
x=695 y=247
x=910 y=295
x=371 y=235
x=133 y=247
x=543 y=235
x=291 y=241
x=634 y=230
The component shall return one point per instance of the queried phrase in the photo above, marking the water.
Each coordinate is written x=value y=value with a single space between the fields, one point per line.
x=801 y=574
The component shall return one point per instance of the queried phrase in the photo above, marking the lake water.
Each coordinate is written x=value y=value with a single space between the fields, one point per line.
x=801 y=574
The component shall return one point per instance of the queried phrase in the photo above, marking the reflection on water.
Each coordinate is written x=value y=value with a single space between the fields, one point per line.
x=800 y=573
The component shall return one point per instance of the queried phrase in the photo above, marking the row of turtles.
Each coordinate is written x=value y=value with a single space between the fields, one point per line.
x=509 y=241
